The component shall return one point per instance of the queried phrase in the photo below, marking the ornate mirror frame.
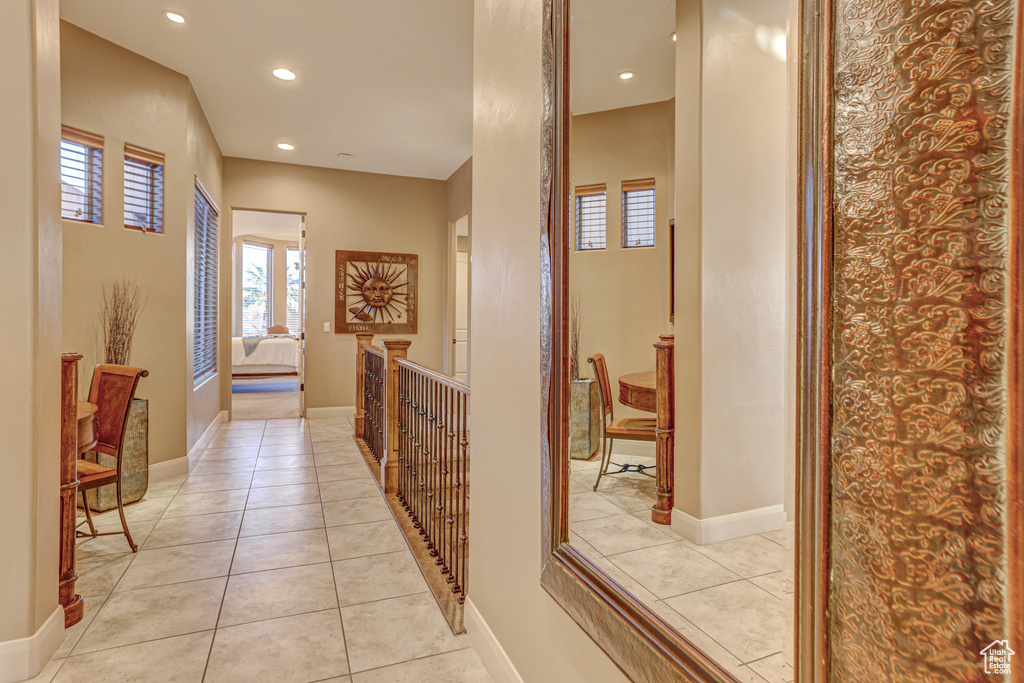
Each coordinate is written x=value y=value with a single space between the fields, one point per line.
x=856 y=535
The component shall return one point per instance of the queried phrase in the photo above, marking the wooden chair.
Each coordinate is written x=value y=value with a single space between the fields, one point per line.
x=630 y=429
x=278 y=329
x=112 y=391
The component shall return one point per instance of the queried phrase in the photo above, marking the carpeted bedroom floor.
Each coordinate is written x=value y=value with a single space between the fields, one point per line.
x=264 y=398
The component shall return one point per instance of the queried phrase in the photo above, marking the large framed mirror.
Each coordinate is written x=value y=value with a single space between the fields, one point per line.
x=748 y=511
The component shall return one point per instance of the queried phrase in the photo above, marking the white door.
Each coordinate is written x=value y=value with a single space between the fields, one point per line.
x=461 y=340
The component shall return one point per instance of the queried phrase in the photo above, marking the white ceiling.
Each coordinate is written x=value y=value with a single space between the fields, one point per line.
x=266 y=224
x=388 y=81
x=607 y=37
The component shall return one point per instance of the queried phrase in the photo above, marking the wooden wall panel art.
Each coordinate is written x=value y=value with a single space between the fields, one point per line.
x=922 y=228
x=375 y=292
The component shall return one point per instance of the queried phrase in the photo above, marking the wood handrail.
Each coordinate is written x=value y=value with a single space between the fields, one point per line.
x=375 y=350
x=445 y=380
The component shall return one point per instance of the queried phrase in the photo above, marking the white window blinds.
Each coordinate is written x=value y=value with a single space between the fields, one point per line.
x=257 y=288
x=591 y=217
x=638 y=213
x=294 y=283
x=143 y=189
x=204 y=333
x=81 y=176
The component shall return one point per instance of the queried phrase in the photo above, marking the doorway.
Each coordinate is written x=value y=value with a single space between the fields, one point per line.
x=267 y=321
x=459 y=300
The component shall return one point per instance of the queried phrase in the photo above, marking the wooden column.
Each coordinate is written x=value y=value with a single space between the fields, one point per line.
x=661 y=513
x=72 y=603
x=397 y=348
x=361 y=338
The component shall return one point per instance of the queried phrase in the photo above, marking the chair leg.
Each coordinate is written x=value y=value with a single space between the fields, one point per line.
x=606 y=455
x=124 y=523
x=88 y=514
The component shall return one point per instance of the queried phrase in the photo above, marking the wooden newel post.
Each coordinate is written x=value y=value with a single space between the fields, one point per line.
x=397 y=349
x=661 y=513
x=361 y=339
x=72 y=603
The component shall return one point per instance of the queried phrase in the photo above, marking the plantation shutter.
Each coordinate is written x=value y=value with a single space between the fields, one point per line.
x=204 y=335
x=638 y=213
x=81 y=176
x=591 y=217
x=143 y=189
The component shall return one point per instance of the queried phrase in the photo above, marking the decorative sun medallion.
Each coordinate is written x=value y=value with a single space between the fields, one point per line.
x=376 y=292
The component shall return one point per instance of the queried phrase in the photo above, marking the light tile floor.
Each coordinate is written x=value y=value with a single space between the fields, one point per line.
x=730 y=598
x=275 y=560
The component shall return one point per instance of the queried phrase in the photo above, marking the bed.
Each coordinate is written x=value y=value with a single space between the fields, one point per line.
x=273 y=355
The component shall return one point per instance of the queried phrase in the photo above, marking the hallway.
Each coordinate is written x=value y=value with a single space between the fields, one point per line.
x=276 y=559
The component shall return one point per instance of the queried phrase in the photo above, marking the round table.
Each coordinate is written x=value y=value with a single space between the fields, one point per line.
x=639 y=390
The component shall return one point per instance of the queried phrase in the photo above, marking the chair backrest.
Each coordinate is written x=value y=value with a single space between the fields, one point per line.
x=277 y=329
x=113 y=388
x=601 y=372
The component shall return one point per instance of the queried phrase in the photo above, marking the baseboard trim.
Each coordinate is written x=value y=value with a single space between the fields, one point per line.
x=23 y=658
x=725 y=527
x=326 y=413
x=168 y=469
x=492 y=654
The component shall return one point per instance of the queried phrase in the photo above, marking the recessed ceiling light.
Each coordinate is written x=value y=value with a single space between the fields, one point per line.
x=284 y=74
x=175 y=17
x=285 y=146
x=673 y=36
x=626 y=75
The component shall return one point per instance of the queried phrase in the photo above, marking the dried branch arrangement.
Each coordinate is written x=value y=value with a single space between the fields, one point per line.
x=575 y=321
x=119 y=315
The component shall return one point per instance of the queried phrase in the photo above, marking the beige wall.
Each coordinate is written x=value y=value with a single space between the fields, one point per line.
x=459 y=194
x=280 y=277
x=203 y=402
x=30 y=272
x=624 y=293
x=543 y=642
x=115 y=93
x=731 y=258
x=349 y=210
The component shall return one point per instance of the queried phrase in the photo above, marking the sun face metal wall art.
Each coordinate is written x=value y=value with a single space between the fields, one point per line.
x=376 y=292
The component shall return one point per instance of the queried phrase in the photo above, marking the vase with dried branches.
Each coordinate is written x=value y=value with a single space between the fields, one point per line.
x=120 y=307
x=584 y=398
x=119 y=315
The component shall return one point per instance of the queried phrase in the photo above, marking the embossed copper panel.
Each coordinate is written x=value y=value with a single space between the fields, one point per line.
x=922 y=162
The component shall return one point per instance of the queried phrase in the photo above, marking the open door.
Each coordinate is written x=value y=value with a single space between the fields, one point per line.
x=459 y=360
x=302 y=319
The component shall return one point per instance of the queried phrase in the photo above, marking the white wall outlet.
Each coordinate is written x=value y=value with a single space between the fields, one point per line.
x=327 y=327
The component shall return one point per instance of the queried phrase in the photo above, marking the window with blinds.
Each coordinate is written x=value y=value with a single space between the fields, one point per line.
x=204 y=332
x=638 y=213
x=294 y=283
x=257 y=288
x=143 y=189
x=591 y=217
x=81 y=176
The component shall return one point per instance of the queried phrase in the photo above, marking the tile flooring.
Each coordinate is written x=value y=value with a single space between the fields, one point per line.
x=275 y=560
x=730 y=598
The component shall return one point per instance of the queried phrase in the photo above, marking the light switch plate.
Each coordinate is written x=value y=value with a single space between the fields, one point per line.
x=327 y=327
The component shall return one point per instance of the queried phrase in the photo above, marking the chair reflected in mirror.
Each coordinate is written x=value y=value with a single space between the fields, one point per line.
x=628 y=429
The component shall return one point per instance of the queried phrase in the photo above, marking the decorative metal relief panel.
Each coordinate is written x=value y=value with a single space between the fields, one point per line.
x=921 y=169
x=375 y=292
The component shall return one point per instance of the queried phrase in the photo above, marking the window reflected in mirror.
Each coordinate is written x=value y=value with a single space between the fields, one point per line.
x=681 y=472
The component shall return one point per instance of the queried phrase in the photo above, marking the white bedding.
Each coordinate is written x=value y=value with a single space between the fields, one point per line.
x=276 y=351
